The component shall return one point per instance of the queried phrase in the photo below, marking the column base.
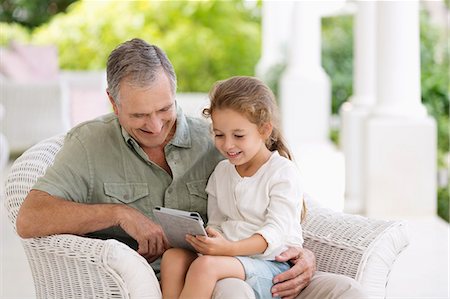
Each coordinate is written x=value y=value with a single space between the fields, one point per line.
x=323 y=172
x=305 y=105
x=353 y=118
x=400 y=163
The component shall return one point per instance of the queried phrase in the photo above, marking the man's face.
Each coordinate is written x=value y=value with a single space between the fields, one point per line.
x=148 y=113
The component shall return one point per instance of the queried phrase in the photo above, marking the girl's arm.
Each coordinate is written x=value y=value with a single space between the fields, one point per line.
x=216 y=244
x=254 y=245
x=282 y=220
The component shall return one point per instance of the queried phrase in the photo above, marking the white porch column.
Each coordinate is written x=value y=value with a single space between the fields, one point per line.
x=4 y=148
x=355 y=111
x=276 y=17
x=305 y=100
x=305 y=87
x=400 y=144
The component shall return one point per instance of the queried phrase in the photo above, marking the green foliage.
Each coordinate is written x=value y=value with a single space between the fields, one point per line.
x=31 y=13
x=13 y=31
x=435 y=94
x=443 y=203
x=205 y=40
x=337 y=57
x=435 y=80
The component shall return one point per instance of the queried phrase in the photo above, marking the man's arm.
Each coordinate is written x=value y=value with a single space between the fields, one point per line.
x=290 y=283
x=42 y=214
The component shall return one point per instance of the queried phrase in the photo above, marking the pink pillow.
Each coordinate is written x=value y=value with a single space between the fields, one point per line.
x=25 y=63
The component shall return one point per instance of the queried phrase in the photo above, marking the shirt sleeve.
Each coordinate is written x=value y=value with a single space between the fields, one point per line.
x=284 y=210
x=69 y=177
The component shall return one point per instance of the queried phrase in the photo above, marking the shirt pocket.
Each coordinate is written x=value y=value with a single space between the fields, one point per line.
x=197 y=195
x=126 y=192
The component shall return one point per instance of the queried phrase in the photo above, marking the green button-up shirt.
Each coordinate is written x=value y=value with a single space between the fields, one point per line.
x=101 y=163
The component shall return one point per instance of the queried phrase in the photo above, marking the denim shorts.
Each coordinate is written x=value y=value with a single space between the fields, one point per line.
x=260 y=273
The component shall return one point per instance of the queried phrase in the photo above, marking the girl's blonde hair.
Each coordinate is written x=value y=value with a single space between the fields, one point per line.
x=254 y=99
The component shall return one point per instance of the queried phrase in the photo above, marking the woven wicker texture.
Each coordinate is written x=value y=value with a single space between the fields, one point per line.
x=67 y=266
x=359 y=247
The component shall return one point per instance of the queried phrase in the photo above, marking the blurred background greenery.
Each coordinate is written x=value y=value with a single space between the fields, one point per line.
x=211 y=40
x=204 y=40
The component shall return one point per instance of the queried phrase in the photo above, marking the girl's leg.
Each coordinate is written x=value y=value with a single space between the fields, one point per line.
x=205 y=271
x=174 y=266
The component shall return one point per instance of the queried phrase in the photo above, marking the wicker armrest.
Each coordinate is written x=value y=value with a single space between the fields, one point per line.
x=359 y=247
x=68 y=266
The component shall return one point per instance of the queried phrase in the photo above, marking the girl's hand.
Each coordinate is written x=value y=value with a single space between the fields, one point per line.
x=213 y=244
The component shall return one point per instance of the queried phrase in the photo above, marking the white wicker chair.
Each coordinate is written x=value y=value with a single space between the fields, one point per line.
x=68 y=266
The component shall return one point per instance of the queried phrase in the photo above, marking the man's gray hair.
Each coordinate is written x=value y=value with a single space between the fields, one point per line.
x=140 y=63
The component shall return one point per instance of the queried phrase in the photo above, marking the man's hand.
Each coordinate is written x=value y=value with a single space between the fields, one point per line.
x=290 y=283
x=150 y=237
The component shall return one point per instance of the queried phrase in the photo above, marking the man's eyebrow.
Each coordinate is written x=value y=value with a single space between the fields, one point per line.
x=167 y=107
x=139 y=114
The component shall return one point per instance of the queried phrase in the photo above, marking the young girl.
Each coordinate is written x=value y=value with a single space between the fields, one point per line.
x=254 y=199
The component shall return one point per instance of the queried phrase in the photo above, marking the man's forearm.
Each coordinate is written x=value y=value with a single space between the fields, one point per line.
x=42 y=214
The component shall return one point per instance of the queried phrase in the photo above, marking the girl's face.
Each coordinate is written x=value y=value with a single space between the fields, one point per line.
x=240 y=140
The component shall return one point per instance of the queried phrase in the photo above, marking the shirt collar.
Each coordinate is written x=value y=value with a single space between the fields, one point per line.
x=181 y=138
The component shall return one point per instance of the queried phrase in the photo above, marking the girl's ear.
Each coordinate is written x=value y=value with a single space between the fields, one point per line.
x=265 y=130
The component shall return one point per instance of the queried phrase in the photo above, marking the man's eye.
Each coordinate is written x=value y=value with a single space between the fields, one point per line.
x=239 y=136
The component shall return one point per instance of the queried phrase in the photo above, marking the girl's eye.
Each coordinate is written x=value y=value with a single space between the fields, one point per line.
x=218 y=135
x=239 y=136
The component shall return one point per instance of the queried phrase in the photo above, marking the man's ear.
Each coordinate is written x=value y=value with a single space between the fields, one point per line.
x=266 y=130
x=113 y=103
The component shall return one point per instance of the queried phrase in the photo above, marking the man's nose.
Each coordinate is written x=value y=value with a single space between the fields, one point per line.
x=153 y=124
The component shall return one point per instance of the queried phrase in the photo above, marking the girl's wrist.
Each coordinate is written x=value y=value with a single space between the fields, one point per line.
x=234 y=248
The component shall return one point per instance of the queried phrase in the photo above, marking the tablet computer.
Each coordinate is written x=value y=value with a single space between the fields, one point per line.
x=178 y=223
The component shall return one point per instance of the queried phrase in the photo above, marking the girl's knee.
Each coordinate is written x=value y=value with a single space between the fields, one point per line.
x=203 y=264
x=175 y=256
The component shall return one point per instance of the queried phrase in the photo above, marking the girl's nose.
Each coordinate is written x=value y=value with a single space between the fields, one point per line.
x=228 y=143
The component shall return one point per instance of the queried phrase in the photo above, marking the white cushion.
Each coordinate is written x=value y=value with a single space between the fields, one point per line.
x=139 y=278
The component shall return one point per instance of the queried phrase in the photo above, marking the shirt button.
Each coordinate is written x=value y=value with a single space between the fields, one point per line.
x=126 y=197
x=170 y=190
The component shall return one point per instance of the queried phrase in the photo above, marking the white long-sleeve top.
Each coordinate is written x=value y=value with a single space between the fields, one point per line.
x=268 y=203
